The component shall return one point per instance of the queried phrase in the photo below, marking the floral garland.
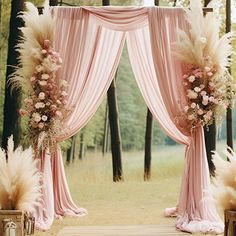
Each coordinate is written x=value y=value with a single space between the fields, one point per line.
x=209 y=88
x=44 y=106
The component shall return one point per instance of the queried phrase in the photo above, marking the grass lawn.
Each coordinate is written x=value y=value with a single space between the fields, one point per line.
x=131 y=202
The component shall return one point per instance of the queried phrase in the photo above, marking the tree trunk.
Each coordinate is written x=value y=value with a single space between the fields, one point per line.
x=12 y=101
x=148 y=146
x=210 y=135
x=105 y=133
x=81 y=149
x=115 y=134
x=70 y=154
x=229 y=126
x=114 y=127
x=53 y=2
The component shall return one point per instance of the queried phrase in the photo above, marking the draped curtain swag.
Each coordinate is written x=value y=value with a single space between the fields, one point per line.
x=90 y=41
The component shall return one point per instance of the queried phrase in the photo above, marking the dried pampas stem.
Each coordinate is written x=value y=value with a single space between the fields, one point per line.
x=19 y=179
x=224 y=183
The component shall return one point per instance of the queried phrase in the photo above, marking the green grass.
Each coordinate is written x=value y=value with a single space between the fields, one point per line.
x=130 y=202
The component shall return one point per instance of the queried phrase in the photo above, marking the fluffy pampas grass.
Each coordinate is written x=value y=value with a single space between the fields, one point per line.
x=224 y=183
x=203 y=38
x=19 y=179
x=37 y=28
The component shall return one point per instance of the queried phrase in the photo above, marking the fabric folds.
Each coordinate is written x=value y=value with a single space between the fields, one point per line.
x=90 y=41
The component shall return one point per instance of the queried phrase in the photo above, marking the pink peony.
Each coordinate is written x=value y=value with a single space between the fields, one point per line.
x=53 y=107
x=193 y=105
x=32 y=79
x=58 y=114
x=203 y=93
x=191 y=117
x=41 y=125
x=41 y=96
x=209 y=74
x=46 y=43
x=200 y=112
x=64 y=101
x=64 y=93
x=23 y=112
x=186 y=108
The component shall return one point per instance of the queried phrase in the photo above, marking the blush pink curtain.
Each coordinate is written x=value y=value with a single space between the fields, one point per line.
x=90 y=42
x=159 y=76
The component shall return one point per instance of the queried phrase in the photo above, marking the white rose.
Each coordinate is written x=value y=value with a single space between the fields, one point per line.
x=45 y=76
x=44 y=118
x=191 y=94
x=191 y=78
x=42 y=82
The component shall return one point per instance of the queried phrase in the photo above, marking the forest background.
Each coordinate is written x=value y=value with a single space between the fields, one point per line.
x=131 y=106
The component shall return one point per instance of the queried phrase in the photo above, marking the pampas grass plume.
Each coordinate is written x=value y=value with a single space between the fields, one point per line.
x=19 y=179
x=224 y=183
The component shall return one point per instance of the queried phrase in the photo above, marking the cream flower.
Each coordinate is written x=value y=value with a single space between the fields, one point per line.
x=39 y=105
x=36 y=117
x=44 y=118
x=191 y=78
x=41 y=96
x=45 y=76
x=42 y=82
x=191 y=94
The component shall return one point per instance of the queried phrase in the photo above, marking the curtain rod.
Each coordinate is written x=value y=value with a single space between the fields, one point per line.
x=40 y=9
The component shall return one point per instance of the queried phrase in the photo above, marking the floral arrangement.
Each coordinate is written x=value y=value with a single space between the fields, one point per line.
x=19 y=179
x=45 y=103
x=224 y=183
x=208 y=86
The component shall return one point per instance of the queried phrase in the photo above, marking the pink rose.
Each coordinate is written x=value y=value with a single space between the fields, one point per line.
x=23 y=112
x=41 y=125
x=53 y=107
x=191 y=117
x=200 y=112
x=193 y=105
x=32 y=79
x=58 y=114
x=186 y=108
x=209 y=74
x=46 y=43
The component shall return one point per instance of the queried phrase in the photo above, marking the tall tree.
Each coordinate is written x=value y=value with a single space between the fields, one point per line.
x=148 y=146
x=12 y=101
x=229 y=125
x=148 y=138
x=210 y=135
x=114 y=127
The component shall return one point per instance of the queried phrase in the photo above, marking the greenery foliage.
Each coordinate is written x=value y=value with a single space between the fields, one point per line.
x=132 y=109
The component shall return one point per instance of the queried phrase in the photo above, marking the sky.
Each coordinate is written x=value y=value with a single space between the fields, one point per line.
x=233 y=5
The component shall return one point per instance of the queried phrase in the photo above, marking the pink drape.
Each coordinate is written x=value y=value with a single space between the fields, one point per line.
x=159 y=75
x=90 y=41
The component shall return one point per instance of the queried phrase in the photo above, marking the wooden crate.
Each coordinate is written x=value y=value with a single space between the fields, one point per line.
x=16 y=216
x=230 y=223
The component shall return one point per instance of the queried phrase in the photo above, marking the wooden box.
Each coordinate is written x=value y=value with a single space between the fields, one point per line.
x=16 y=216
